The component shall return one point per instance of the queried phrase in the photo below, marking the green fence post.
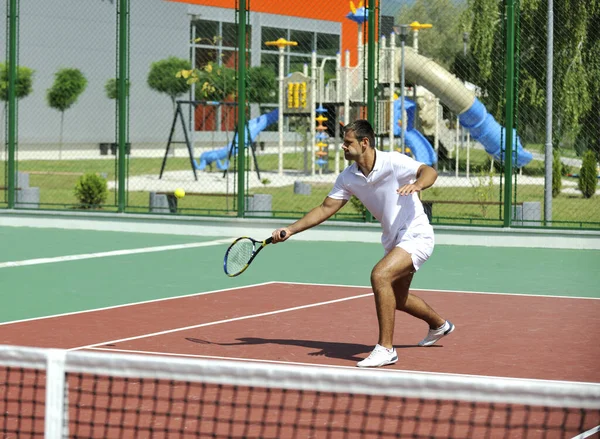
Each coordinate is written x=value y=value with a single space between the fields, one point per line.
x=123 y=99
x=12 y=99
x=371 y=73
x=241 y=125
x=509 y=117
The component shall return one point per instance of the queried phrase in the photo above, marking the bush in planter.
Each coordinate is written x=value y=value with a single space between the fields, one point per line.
x=91 y=191
x=588 y=175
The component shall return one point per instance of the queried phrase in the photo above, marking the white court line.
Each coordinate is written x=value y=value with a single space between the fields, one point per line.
x=218 y=322
x=134 y=251
x=588 y=433
x=447 y=291
x=383 y=369
x=144 y=302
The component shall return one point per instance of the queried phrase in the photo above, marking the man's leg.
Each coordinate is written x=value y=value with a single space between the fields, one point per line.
x=395 y=266
x=414 y=305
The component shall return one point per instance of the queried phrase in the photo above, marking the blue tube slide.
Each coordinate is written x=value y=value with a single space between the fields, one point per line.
x=220 y=156
x=419 y=146
x=484 y=128
x=459 y=99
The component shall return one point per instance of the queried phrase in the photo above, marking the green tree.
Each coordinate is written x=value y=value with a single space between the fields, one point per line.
x=444 y=39
x=215 y=82
x=112 y=90
x=24 y=82
x=588 y=175
x=556 y=174
x=262 y=85
x=163 y=77
x=480 y=20
x=68 y=85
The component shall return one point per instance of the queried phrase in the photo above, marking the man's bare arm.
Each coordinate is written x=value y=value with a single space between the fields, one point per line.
x=316 y=216
x=426 y=176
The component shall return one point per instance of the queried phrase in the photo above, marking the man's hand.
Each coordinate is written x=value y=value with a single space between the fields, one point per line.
x=409 y=189
x=276 y=235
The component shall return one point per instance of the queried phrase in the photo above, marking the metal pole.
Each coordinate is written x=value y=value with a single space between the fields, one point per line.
x=371 y=63
x=313 y=109
x=549 y=153
x=371 y=79
x=241 y=89
x=123 y=99
x=280 y=116
x=465 y=42
x=338 y=99
x=509 y=116
x=192 y=109
x=403 y=35
x=392 y=72
x=12 y=100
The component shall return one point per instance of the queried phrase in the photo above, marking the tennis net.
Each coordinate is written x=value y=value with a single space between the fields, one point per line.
x=58 y=394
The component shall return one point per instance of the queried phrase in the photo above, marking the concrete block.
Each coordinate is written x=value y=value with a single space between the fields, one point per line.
x=259 y=205
x=28 y=198
x=22 y=179
x=529 y=214
x=301 y=188
x=159 y=203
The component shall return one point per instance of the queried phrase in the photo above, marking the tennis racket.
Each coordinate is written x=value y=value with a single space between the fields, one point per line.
x=242 y=252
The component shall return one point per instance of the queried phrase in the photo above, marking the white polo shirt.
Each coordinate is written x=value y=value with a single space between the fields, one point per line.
x=377 y=192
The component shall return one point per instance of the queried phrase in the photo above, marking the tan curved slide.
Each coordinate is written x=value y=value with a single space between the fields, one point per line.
x=448 y=88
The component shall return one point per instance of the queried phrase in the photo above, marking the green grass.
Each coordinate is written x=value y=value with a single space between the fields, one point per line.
x=57 y=180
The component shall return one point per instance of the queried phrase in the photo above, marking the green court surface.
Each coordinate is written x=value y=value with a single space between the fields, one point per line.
x=62 y=286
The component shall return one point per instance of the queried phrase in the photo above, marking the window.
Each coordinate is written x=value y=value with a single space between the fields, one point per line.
x=328 y=44
x=206 y=31
x=271 y=34
x=305 y=41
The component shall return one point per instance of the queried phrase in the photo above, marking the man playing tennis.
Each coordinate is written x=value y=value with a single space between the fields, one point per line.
x=387 y=183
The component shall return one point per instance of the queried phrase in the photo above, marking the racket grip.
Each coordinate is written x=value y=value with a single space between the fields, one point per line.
x=270 y=239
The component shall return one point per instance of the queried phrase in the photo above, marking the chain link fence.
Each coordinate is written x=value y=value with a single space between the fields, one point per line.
x=66 y=58
x=437 y=70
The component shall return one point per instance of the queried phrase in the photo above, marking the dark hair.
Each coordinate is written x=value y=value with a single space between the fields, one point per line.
x=362 y=128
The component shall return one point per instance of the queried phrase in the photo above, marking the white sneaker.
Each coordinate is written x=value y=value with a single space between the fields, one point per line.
x=435 y=334
x=380 y=356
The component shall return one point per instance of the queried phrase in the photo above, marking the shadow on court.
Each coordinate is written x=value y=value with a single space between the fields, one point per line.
x=342 y=351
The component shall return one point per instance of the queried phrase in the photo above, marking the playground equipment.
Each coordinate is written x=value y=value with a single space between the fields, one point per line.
x=459 y=99
x=298 y=94
x=419 y=146
x=321 y=137
x=222 y=156
x=281 y=43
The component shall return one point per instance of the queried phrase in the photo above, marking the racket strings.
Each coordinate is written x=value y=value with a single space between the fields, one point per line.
x=239 y=255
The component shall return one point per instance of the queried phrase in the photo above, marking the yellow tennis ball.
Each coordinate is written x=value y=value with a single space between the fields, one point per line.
x=179 y=193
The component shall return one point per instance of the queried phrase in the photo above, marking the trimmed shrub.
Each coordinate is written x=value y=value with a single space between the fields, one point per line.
x=588 y=175
x=163 y=77
x=111 y=88
x=556 y=174
x=91 y=191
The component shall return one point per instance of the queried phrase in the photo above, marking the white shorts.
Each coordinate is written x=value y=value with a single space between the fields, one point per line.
x=418 y=241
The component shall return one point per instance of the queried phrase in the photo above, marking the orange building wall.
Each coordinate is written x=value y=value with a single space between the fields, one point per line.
x=333 y=10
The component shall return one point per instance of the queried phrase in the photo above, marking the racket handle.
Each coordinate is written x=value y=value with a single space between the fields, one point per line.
x=270 y=239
